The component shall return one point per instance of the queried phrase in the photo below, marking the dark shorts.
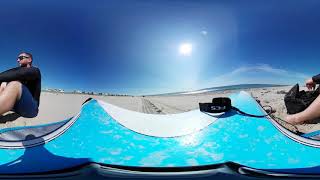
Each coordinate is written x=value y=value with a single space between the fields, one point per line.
x=26 y=106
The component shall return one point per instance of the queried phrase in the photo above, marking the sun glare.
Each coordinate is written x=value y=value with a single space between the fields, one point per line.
x=185 y=49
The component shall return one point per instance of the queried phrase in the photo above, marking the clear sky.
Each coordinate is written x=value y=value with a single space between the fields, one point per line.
x=149 y=47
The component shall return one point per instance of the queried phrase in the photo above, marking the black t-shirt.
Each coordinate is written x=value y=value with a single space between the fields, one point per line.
x=29 y=76
x=316 y=79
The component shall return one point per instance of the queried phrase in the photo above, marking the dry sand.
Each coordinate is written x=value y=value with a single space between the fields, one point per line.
x=57 y=106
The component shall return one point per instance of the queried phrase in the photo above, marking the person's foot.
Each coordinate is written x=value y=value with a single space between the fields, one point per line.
x=294 y=119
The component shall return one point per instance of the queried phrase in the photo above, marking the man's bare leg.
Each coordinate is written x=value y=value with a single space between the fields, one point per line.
x=312 y=112
x=9 y=95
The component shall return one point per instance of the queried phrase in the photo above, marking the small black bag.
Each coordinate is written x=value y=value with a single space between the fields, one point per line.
x=297 y=101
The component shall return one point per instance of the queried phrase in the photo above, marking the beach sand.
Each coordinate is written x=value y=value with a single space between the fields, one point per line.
x=59 y=106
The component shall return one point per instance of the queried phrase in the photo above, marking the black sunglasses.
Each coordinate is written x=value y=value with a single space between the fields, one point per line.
x=23 y=57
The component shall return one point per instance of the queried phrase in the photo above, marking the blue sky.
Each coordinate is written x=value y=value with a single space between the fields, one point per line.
x=133 y=46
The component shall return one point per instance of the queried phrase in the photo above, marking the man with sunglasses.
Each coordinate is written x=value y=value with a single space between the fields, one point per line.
x=20 y=88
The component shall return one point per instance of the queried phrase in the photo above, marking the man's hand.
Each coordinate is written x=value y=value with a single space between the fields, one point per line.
x=3 y=86
x=310 y=84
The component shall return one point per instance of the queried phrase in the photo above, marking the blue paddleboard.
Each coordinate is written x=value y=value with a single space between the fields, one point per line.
x=113 y=137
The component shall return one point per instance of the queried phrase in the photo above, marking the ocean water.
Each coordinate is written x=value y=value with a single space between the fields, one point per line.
x=231 y=87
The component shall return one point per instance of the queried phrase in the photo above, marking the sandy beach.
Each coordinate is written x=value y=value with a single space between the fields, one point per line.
x=59 y=106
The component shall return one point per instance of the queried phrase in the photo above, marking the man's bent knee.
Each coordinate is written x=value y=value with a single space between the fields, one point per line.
x=15 y=87
x=14 y=83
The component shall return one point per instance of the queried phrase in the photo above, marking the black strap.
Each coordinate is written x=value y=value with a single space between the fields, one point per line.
x=251 y=115
x=212 y=108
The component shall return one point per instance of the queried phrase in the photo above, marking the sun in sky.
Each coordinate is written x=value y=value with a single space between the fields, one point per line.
x=185 y=49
